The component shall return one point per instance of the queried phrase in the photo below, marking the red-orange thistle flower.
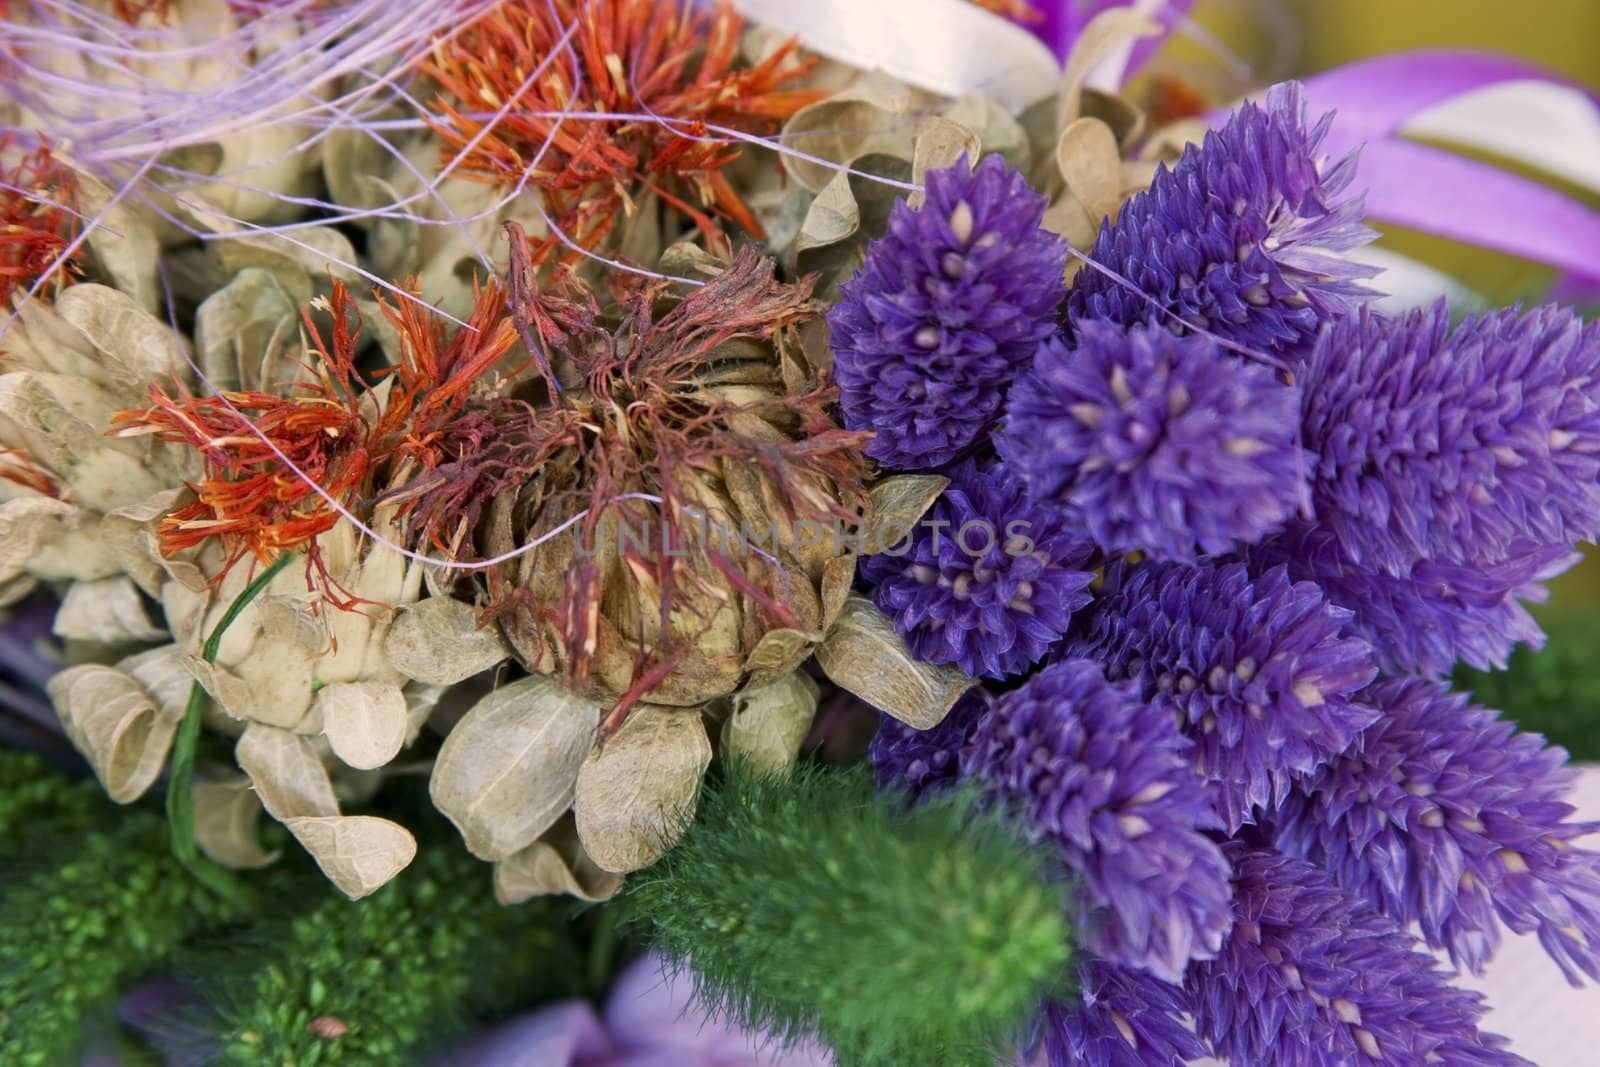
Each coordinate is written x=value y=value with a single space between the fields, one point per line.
x=38 y=218
x=336 y=430
x=16 y=467
x=644 y=58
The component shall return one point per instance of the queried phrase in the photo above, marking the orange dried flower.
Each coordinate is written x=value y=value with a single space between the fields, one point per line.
x=16 y=467
x=334 y=429
x=38 y=219
x=663 y=58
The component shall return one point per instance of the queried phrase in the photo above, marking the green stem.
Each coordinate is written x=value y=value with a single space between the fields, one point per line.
x=180 y=783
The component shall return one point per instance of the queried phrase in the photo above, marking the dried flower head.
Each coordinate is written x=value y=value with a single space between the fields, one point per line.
x=1241 y=237
x=38 y=218
x=948 y=305
x=1258 y=670
x=1149 y=442
x=1444 y=816
x=1311 y=977
x=985 y=580
x=670 y=468
x=664 y=73
x=342 y=434
x=1102 y=775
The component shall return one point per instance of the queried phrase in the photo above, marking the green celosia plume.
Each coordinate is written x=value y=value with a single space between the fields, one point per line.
x=813 y=906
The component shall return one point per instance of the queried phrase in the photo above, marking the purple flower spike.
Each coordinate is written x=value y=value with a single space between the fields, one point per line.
x=1102 y=774
x=1454 y=445
x=1310 y=977
x=1258 y=671
x=985 y=581
x=1241 y=237
x=1444 y=816
x=950 y=302
x=1125 y=1019
x=927 y=761
x=1156 y=443
x=1438 y=612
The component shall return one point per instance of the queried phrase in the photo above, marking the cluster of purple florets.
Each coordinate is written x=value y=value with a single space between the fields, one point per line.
x=1263 y=522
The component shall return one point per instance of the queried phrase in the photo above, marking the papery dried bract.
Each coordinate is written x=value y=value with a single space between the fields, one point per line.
x=767 y=725
x=637 y=791
x=287 y=774
x=117 y=725
x=864 y=655
x=509 y=768
x=108 y=611
x=365 y=722
x=554 y=865
x=439 y=641
x=227 y=816
x=358 y=853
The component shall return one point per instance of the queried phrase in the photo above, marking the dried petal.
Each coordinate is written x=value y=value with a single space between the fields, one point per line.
x=864 y=655
x=109 y=611
x=509 y=768
x=636 y=792
x=438 y=640
x=286 y=773
x=118 y=727
x=769 y=723
x=554 y=865
x=226 y=817
x=365 y=722
x=358 y=853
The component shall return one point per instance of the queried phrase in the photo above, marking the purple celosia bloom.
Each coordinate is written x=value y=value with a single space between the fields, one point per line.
x=1438 y=612
x=1312 y=977
x=1454 y=445
x=1103 y=775
x=1445 y=816
x=924 y=761
x=1125 y=1018
x=1258 y=670
x=1241 y=237
x=949 y=303
x=986 y=580
x=1153 y=442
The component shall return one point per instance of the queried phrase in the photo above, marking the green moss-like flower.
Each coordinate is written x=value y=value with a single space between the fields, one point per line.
x=71 y=935
x=812 y=906
x=36 y=797
x=370 y=982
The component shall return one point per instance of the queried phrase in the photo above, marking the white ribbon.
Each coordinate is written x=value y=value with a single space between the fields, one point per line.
x=949 y=47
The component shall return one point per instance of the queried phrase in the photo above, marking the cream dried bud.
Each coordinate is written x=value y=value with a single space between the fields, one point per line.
x=768 y=724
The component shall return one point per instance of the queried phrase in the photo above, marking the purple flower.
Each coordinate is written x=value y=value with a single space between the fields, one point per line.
x=986 y=580
x=1153 y=442
x=1445 y=816
x=1125 y=1019
x=949 y=303
x=1311 y=977
x=924 y=761
x=1102 y=774
x=1438 y=612
x=1240 y=237
x=1258 y=671
x=1454 y=445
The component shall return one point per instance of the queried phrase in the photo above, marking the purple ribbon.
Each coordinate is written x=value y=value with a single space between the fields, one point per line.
x=1063 y=21
x=1425 y=188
